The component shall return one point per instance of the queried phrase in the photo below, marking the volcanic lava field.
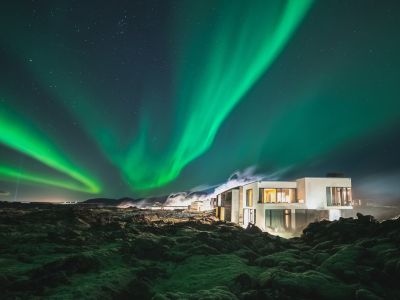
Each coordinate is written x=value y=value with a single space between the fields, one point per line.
x=82 y=252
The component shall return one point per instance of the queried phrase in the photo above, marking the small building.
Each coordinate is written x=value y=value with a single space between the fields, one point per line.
x=201 y=205
x=196 y=206
x=69 y=202
x=282 y=206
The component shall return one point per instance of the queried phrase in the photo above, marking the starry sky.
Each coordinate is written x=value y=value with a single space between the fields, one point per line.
x=139 y=98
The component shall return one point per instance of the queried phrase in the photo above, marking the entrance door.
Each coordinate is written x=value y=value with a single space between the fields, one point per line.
x=249 y=216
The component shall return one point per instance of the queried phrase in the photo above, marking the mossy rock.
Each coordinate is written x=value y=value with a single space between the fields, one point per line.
x=307 y=285
x=216 y=293
x=147 y=248
x=344 y=262
x=74 y=264
x=364 y=294
x=201 y=272
x=288 y=260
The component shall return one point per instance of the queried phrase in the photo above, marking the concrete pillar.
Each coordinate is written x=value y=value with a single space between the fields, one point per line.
x=293 y=219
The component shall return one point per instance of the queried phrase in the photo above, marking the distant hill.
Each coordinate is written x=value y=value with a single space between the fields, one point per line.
x=140 y=202
x=116 y=202
x=4 y=193
x=109 y=201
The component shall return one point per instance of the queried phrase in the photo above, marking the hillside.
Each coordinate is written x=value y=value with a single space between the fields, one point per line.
x=73 y=252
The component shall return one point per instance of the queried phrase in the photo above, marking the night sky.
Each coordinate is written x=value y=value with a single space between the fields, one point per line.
x=137 y=98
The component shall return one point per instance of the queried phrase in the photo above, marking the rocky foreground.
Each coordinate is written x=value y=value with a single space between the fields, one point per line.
x=76 y=252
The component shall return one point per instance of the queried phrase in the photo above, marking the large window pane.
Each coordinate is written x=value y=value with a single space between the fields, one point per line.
x=329 y=196
x=279 y=195
x=292 y=195
x=278 y=219
x=349 y=197
x=338 y=196
x=286 y=195
x=269 y=196
x=249 y=198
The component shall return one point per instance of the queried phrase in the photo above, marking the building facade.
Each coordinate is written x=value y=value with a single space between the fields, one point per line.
x=282 y=206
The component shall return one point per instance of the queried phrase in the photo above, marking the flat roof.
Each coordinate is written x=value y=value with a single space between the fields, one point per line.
x=222 y=188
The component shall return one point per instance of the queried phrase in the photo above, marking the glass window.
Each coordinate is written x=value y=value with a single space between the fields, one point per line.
x=338 y=196
x=267 y=218
x=249 y=216
x=226 y=198
x=286 y=195
x=277 y=196
x=278 y=219
x=249 y=197
x=252 y=216
x=280 y=197
x=269 y=196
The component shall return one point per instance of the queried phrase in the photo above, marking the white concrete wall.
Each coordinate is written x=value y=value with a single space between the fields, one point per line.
x=334 y=214
x=315 y=190
x=261 y=207
x=301 y=187
x=254 y=186
x=259 y=215
x=311 y=194
x=235 y=206
x=277 y=184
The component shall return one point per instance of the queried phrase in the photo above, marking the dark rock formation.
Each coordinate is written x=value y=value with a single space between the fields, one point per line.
x=85 y=252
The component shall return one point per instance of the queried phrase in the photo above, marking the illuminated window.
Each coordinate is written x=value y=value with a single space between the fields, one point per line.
x=278 y=219
x=249 y=198
x=267 y=196
x=286 y=195
x=277 y=196
x=338 y=196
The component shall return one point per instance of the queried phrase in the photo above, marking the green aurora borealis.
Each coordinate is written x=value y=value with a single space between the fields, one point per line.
x=160 y=96
x=229 y=61
x=23 y=138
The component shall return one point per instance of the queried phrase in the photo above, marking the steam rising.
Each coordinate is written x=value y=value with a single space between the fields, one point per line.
x=203 y=193
x=185 y=199
x=380 y=188
x=248 y=175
